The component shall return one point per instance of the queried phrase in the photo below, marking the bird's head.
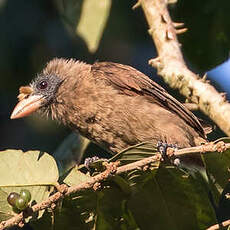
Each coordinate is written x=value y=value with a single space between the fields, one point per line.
x=39 y=94
x=43 y=90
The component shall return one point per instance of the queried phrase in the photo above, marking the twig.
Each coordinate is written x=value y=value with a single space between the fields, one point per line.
x=203 y=149
x=111 y=170
x=219 y=226
x=137 y=4
x=171 y=66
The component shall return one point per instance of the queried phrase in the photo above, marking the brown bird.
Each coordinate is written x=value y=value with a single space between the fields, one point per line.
x=113 y=105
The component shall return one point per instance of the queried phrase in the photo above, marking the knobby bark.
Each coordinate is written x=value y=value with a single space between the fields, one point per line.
x=172 y=68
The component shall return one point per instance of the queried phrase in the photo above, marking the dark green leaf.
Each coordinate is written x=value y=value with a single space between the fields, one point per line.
x=170 y=199
x=217 y=165
x=135 y=153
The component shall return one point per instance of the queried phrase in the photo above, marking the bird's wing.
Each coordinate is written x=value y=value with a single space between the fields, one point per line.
x=132 y=82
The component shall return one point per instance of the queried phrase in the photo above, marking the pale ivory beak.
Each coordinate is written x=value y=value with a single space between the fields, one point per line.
x=27 y=106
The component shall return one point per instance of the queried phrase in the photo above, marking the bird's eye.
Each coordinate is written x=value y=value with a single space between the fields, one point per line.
x=42 y=85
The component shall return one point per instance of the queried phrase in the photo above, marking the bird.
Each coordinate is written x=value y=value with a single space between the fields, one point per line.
x=113 y=105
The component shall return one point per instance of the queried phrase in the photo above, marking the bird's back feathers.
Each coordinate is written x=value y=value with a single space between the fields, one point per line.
x=132 y=82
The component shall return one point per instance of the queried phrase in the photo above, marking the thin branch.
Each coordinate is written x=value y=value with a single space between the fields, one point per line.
x=171 y=66
x=136 y=5
x=219 y=226
x=111 y=170
x=203 y=149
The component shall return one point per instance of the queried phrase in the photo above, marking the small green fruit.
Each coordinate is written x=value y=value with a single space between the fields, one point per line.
x=11 y=199
x=25 y=194
x=21 y=203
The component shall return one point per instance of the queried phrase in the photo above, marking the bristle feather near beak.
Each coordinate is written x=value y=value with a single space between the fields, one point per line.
x=24 y=92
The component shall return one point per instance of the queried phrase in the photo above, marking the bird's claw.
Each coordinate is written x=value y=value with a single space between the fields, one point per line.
x=89 y=161
x=168 y=155
x=163 y=146
x=95 y=163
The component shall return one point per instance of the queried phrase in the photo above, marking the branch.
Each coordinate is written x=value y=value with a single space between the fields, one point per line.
x=111 y=170
x=219 y=226
x=171 y=66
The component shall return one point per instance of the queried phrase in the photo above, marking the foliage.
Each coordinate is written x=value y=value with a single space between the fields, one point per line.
x=159 y=197
x=92 y=21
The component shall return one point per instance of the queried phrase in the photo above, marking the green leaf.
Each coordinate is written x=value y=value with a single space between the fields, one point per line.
x=217 y=165
x=75 y=177
x=129 y=220
x=72 y=216
x=92 y=22
x=111 y=211
x=135 y=153
x=32 y=170
x=163 y=198
x=168 y=199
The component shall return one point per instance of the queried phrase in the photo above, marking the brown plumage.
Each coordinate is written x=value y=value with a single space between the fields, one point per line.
x=113 y=105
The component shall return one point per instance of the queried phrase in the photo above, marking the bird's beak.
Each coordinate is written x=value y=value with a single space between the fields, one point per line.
x=27 y=105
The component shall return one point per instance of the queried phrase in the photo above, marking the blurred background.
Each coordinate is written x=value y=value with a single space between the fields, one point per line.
x=35 y=31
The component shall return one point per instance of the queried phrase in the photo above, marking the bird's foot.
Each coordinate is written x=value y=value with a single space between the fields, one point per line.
x=163 y=149
x=163 y=146
x=89 y=161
